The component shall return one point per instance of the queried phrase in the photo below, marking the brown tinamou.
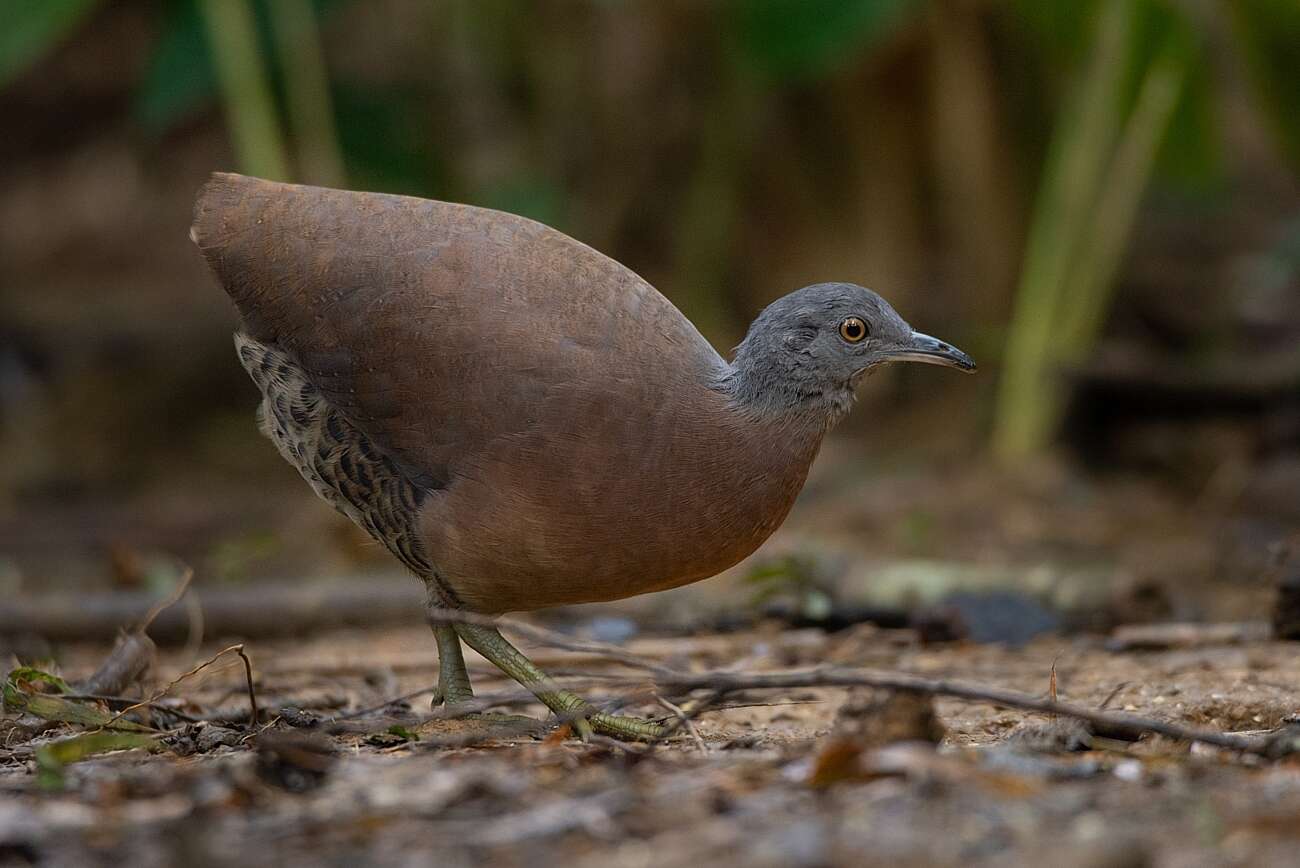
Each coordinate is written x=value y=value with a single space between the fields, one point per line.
x=522 y=421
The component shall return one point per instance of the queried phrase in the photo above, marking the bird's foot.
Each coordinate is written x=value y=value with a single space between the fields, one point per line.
x=463 y=709
x=454 y=688
x=615 y=725
x=569 y=706
x=626 y=728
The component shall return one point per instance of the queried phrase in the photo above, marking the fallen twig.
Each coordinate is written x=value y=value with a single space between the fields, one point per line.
x=248 y=679
x=132 y=655
x=1166 y=636
x=685 y=722
x=829 y=676
x=134 y=652
x=166 y=688
x=352 y=715
x=168 y=601
x=58 y=708
x=723 y=683
x=266 y=610
x=121 y=701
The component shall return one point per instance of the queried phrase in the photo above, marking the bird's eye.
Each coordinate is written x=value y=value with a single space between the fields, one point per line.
x=853 y=330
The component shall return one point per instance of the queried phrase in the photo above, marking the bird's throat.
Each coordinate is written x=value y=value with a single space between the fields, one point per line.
x=800 y=404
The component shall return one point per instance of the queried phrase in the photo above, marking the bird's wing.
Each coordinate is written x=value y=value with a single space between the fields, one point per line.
x=437 y=328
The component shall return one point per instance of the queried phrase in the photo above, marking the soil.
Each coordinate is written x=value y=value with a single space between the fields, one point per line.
x=770 y=778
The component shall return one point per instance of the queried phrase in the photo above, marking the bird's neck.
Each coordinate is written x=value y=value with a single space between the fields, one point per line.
x=768 y=387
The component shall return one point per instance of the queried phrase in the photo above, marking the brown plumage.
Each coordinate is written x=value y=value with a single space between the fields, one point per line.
x=522 y=420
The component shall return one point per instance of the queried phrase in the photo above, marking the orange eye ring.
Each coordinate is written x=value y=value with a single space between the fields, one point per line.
x=853 y=330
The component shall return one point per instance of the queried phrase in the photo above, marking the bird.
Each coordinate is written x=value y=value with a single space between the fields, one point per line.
x=520 y=420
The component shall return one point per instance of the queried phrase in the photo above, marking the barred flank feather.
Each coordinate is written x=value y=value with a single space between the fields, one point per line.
x=335 y=458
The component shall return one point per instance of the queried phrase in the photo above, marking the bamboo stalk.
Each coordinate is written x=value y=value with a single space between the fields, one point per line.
x=310 y=106
x=1090 y=286
x=32 y=29
x=1028 y=403
x=245 y=88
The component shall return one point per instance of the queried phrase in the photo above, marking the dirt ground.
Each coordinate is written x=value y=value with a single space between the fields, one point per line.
x=129 y=445
x=793 y=777
x=350 y=765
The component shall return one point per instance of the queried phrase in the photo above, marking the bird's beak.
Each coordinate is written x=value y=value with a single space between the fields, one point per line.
x=923 y=348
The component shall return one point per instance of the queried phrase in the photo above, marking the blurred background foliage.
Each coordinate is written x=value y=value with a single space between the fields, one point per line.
x=1098 y=198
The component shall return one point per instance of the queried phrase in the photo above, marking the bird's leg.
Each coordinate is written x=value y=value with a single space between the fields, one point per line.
x=488 y=642
x=453 y=677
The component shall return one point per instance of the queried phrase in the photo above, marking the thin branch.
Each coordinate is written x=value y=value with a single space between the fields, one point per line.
x=1110 y=697
x=126 y=700
x=609 y=743
x=688 y=714
x=248 y=677
x=166 y=688
x=829 y=676
x=177 y=591
x=686 y=723
x=722 y=683
x=352 y=715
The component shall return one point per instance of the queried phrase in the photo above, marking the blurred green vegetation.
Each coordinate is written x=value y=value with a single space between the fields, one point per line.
x=30 y=29
x=661 y=128
x=1101 y=158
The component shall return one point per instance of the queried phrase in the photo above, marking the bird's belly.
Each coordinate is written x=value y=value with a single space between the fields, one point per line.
x=495 y=587
x=532 y=556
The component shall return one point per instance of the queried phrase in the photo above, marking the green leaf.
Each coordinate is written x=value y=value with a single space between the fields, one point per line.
x=535 y=197
x=32 y=28
x=32 y=675
x=19 y=696
x=51 y=758
x=1269 y=33
x=1102 y=156
x=240 y=61
x=805 y=39
x=403 y=733
x=179 y=79
x=386 y=143
x=1191 y=155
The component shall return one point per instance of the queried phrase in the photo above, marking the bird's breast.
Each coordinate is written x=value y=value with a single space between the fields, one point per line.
x=619 y=509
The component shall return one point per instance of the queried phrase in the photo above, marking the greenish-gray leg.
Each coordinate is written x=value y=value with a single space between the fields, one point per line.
x=453 y=677
x=510 y=660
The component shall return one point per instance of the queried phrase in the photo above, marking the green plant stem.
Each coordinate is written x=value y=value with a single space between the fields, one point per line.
x=245 y=88
x=1028 y=402
x=1090 y=285
x=30 y=29
x=311 y=108
x=53 y=757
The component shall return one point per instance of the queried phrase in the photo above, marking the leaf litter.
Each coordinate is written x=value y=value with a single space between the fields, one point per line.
x=347 y=762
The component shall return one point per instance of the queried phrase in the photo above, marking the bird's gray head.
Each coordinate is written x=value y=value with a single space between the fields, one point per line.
x=807 y=350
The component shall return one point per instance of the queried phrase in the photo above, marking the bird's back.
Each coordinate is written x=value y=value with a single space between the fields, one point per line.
x=392 y=303
x=557 y=414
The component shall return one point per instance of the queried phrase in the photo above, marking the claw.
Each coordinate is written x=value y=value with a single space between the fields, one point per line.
x=510 y=660
x=631 y=728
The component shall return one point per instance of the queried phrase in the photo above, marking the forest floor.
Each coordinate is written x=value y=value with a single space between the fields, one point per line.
x=342 y=771
x=348 y=764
